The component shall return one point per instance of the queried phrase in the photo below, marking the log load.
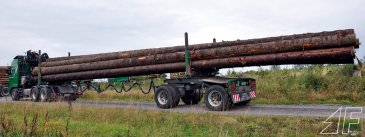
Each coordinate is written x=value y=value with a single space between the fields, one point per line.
x=333 y=47
x=323 y=56
x=326 y=39
x=4 y=78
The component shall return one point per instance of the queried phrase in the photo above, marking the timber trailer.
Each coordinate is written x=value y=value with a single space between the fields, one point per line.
x=219 y=92
x=40 y=78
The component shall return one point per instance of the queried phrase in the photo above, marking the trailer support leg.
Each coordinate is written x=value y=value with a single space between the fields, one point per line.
x=187 y=57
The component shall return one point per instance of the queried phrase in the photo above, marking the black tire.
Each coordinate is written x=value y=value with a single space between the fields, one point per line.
x=164 y=98
x=4 y=91
x=74 y=97
x=45 y=94
x=243 y=103
x=176 y=95
x=34 y=94
x=197 y=96
x=192 y=99
x=14 y=94
x=217 y=98
x=1 y=90
x=186 y=99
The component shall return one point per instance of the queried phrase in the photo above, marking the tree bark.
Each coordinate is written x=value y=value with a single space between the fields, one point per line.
x=301 y=44
x=322 y=56
x=340 y=37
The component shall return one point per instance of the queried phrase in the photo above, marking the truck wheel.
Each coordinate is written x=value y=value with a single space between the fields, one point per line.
x=4 y=92
x=74 y=97
x=14 y=95
x=34 y=94
x=164 y=98
x=217 y=98
x=176 y=95
x=45 y=94
x=242 y=103
x=1 y=90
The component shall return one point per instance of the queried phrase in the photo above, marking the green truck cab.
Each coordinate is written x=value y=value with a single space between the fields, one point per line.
x=18 y=68
x=23 y=84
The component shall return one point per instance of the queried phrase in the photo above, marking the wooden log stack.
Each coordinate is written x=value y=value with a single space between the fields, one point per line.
x=4 y=78
x=332 y=47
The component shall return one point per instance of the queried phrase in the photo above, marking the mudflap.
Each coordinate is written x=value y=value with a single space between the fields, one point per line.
x=67 y=92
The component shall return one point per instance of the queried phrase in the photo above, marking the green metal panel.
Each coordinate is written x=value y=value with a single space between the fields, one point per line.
x=117 y=81
x=14 y=78
x=18 y=69
x=121 y=79
x=244 y=83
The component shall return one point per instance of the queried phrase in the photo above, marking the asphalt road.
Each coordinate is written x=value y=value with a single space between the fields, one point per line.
x=259 y=110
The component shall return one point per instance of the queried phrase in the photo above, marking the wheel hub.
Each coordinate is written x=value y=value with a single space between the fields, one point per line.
x=162 y=97
x=33 y=95
x=42 y=97
x=215 y=98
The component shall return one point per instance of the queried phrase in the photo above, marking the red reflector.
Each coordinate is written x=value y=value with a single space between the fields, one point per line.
x=233 y=88
x=253 y=85
x=233 y=85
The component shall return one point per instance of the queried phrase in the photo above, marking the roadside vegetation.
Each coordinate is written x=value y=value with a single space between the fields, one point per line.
x=111 y=95
x=56 y=119
x=314 y=84
x=135 y=94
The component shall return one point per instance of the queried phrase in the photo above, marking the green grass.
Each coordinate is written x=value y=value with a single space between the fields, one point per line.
x=52 y=119
x=134 y=95
x=314 y=85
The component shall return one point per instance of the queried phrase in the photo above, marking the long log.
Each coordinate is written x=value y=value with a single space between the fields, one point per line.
x=343 y=37
x=323 y=42
x=323 y=56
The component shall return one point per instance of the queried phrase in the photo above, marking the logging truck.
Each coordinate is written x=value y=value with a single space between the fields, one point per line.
x=22 y=84
x=220 y=93
x=41 y=78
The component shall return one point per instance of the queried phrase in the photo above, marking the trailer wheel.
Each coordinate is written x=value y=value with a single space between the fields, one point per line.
x=34 y=94
x=217 y=98
x=192 y=99
x=176 y=95
x=14 y=95
x=186 y=99
x=197 y=96
x=164 y=98
x=45 y=94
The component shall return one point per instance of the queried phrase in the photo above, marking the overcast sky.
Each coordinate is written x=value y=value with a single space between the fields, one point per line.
x=96 y=26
